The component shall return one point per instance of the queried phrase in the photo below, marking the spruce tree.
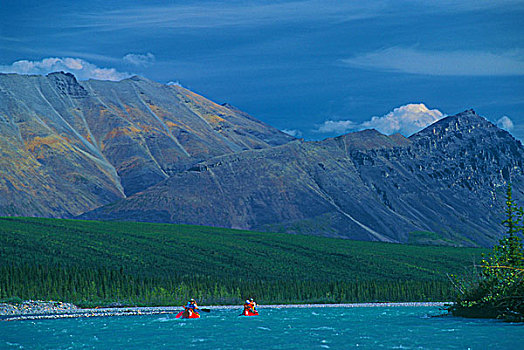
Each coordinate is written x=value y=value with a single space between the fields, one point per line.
x=499 y=292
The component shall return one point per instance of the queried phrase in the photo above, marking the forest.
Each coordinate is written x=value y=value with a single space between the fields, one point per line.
x=94 y=263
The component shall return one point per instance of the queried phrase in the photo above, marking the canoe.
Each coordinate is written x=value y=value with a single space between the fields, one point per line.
x=182 y=315
x=249 y=313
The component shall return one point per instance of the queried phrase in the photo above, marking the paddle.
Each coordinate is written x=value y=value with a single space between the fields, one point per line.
x=205 y=310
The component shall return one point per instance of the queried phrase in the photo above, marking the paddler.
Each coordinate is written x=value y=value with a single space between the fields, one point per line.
x=191 y=307
x=253 y=305
x=250 y=306
x=247 y=306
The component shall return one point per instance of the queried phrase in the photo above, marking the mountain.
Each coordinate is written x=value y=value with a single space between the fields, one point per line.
x=443 y=185
x=142 y=151
x=68 y=147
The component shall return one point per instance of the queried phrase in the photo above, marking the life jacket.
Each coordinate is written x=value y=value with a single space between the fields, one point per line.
x=191 y=306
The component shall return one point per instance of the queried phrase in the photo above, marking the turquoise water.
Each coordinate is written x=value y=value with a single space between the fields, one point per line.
x=315 y=328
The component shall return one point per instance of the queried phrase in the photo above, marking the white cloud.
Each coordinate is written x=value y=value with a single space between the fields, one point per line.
x=446 y=63
x=505 y=123
x=337 y=126
x=137 y=59
x=213 y=14
x=174 y=83
x=292 y=132
x=406 y=120
x=225 y=14
x=82 y=69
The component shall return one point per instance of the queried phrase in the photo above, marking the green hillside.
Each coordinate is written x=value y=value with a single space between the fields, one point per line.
x=142 y=263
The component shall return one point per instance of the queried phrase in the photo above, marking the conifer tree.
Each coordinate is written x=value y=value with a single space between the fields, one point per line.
x=500 y=289
x=508 y=256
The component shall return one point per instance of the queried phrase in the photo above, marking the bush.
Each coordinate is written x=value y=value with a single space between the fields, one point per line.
x=497 y=291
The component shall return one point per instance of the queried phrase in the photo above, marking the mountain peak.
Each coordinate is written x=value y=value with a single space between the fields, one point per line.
x=67 y=84
x=462 y=133
x=469 y=116
x=61 y=74
x=468 y=112
x=138 y=78
x=462 y=123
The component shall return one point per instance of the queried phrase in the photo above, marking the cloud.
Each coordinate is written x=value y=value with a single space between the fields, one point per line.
x=505 y=123
x=208 y=14
x=225 y=14
x=89 y=56
x=446 y=63
x=407 y=120
x=174 y=83
x=153 y=15
x=337 y=126
x=82 y=69
x=293 y=132
x=137 y=59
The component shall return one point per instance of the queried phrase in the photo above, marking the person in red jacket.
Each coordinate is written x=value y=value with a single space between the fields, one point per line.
x=250 y=306
x=191 y=307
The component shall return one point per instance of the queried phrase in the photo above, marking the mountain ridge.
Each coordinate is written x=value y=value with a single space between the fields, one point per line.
x=362 y=185
x=106 y=140
x=143 y=151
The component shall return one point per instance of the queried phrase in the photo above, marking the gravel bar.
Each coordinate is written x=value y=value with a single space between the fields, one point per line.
x=39 y=310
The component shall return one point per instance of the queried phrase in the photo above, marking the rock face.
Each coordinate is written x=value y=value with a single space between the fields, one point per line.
x=443 y=185
x=138 y=150
x=67 y=147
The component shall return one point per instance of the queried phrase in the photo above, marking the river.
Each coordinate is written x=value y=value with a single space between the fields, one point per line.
x=300 y=328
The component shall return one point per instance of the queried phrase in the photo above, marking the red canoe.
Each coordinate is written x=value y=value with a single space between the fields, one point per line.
x=249 y=313
x=187 y=315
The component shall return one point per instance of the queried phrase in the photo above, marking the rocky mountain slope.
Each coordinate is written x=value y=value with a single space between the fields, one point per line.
x=139 y=150
x=443 y=185
x=67 y=147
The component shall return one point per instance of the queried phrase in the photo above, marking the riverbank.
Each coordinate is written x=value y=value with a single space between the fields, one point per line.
x=38 y=310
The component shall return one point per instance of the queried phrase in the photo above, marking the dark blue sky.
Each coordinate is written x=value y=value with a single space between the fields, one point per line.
x=315 y=68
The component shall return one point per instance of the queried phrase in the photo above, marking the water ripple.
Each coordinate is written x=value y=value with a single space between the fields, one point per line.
x=337 y=328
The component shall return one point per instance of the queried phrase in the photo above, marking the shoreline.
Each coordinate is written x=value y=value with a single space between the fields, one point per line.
x=158 y=310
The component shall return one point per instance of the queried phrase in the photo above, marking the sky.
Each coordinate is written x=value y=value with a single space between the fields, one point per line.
x=314 y=68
